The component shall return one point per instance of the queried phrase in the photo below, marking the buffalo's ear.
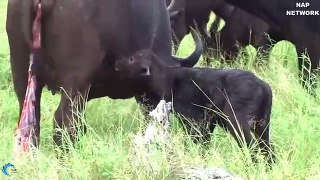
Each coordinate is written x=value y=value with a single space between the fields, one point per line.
x=174 y=14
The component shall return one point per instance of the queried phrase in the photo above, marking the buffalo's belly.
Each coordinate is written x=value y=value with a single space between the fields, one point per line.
x=109 y=83
x=115 y=89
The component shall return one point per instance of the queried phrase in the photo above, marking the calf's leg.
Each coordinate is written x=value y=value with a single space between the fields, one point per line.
x=261 y=127
x=147 y=104
x=200 y=131
x=261 y=131
x=237 y=124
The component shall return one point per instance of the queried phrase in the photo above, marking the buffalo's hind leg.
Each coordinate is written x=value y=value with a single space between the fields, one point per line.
x=261 y=131
x=38 y=93
x=237 y=124
x=261 y=125
x=307 y=43
x=19 y=61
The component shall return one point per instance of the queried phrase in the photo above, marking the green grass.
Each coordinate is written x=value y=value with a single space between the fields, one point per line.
x=105 y=152
x=4 y=47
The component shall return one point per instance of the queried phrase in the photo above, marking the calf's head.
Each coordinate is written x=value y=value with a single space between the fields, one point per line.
x=141 y=65
x=150 y=71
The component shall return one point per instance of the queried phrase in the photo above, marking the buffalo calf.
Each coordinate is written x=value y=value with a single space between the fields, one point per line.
x=236 y=100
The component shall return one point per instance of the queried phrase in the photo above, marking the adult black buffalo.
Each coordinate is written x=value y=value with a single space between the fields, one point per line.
x=81 y=40
x=241 y=27
x=293 y=25
x=185 y=15
x=240 y=30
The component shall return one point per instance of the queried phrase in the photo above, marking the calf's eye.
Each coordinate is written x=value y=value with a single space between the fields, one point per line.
x=131 y=60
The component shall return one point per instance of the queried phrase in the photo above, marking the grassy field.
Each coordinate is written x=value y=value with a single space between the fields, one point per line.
x=105 y=152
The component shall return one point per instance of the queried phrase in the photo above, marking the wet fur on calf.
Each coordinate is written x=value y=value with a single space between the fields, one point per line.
x=236 y=100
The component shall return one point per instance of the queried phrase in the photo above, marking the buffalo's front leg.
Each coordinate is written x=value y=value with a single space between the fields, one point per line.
x=72 y=45
x=68 y=117
x=306 y=41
